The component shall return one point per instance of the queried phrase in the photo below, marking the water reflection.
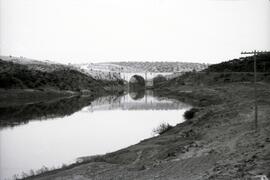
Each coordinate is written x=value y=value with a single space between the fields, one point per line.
x=136 y=95
x=79 y=126
x=15 y=115
x=135 y=100
x=127 y=102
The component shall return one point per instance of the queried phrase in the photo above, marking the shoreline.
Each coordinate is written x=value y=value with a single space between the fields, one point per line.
x=19 y=106
x=12 y=97
x=25 y=96
x=219 y=142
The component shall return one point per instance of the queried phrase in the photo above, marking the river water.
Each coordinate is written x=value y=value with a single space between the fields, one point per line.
x=58 y=132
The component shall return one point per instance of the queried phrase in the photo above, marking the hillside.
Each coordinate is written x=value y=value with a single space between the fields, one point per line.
x=30 y=75
x=34 y=64
x=236 y=70
x=244 y=64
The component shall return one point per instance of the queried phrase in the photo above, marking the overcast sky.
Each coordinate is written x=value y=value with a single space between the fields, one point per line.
x=144 y=30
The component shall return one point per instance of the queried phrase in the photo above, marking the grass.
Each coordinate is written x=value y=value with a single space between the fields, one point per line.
x=162 y=128
x=42 y=170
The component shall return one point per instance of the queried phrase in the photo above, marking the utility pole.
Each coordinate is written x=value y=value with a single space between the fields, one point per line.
x=255 y=53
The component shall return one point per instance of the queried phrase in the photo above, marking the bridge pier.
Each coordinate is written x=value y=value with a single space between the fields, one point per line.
x=149 y=83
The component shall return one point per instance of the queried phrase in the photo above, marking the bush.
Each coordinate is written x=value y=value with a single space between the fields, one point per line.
x=158 y=80
x=162 y=128
x=190 y=113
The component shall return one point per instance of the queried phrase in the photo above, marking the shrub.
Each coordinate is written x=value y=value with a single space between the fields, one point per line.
x=158 y=80
x=189 y=114
x=162 y=128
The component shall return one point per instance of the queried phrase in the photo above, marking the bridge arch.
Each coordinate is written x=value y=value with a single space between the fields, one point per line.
x=136 y=83
x=137 y=79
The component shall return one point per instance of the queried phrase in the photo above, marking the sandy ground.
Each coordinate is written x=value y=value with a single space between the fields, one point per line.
x=222 y=141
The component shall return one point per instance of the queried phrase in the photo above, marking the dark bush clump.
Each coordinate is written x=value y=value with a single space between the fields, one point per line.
x=190 y=113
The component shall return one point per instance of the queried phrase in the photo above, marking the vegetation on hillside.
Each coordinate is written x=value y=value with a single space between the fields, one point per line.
x=159 y=66
x=158 y=80
x=245 y=64
x=19 y=76
x=237 y=70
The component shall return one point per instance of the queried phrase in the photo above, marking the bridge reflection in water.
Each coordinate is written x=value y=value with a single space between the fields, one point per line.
x=136 y=100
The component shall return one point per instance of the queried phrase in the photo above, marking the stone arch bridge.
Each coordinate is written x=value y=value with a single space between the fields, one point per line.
x=147 y=76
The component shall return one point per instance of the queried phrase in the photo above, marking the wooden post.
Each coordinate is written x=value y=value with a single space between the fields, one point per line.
x=255 y=90
x=255 y=53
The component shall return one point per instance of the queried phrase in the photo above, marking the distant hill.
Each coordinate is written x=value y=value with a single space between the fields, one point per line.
x=98 y=71
x=15 y=73
x=112 y=70
x=160 y=66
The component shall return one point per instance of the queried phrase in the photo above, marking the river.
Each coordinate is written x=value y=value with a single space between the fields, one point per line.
x=54 y=133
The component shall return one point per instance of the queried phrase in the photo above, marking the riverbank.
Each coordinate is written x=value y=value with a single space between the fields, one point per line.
x=19 y=106
x=220 y=142
x=10 y=97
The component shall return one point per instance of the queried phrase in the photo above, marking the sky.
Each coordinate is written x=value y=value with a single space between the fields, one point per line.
x=80 y=31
